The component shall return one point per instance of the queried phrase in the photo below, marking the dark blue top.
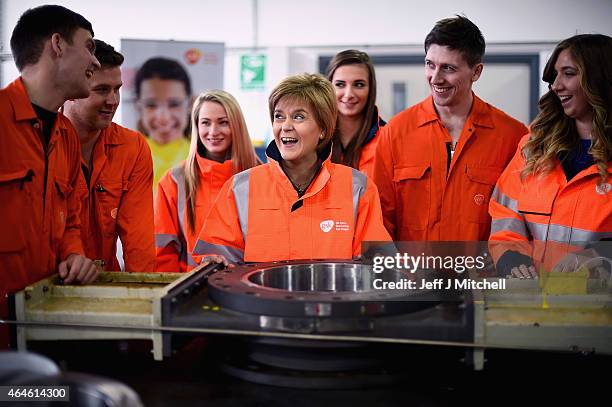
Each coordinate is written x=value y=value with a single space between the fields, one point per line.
x=577 y=159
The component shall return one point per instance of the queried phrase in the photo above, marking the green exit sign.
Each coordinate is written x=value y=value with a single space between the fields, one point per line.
x=252 y=71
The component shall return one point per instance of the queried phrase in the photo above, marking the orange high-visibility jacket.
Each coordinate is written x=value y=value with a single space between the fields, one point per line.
x=39 y=220
x=258 y=216
x=555 y=214
x=420 y=198
x=174 y=239
x=119 y=201
x=368 y=152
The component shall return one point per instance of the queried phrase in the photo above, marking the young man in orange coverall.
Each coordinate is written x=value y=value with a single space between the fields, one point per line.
x=438 y=161
x=39 y=151
x=116 y=188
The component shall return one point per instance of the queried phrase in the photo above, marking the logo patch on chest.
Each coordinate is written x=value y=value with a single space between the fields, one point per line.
x=326 y=225
x=114 y=213
x=603 y=188
x=479 y=199
x=329 y=225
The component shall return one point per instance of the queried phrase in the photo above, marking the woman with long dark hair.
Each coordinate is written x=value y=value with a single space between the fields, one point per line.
x=352 y=75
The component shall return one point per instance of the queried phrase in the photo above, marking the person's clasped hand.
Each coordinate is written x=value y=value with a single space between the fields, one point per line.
x=524 y=271
x=574 y=261
x=215 y=258
x=514 y=264
x=78 y=269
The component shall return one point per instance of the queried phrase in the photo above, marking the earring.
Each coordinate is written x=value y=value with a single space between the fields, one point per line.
x=321 y=136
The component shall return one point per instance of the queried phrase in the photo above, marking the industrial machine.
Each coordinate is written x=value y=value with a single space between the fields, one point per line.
x=322 y=318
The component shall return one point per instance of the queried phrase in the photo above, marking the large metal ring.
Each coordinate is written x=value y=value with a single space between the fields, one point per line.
x=313 y=289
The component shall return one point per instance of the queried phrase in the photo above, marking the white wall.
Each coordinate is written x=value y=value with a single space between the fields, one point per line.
x=368 y=22
x=226 y=21
x=291 y=30
x=216 y=21
x=325 y=22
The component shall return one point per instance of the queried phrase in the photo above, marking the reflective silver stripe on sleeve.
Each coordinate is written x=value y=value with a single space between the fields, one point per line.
x=509 y=224
x=186 y=258
x=360 y=182
x=505 y=200
x=241 y=196
x=538 y=230
x=191 y=261
x=580 y=235
x=162 y=240
x=178 y=175
x=565 y=234
x=232 y=254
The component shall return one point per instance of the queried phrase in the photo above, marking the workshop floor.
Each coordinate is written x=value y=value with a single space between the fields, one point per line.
x=432 y=377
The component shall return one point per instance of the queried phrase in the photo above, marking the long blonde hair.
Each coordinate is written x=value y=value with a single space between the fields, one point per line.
x=554 y=133
x=242 y=153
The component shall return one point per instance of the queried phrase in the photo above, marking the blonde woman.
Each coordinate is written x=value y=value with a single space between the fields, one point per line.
x=220 y=147
x=552 y=206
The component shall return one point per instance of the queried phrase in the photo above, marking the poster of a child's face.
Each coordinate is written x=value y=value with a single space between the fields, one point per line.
x=163 y=99
x=160 y=80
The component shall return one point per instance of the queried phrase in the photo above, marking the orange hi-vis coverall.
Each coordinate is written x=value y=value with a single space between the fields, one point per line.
x=368 y=152
x=39 y=220
x=555 y=215
x=423 y=196
x=173 y=237
x=259 y=217
x=118 y=201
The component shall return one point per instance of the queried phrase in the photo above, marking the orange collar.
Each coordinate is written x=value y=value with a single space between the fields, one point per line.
x=480 y=114
x=22 y=106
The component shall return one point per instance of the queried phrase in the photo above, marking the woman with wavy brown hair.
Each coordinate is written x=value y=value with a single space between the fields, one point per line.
x=351 y=72
x=556 y=192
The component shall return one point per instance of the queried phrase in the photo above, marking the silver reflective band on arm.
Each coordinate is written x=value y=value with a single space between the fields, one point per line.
x=190 y=261
x=232 y=254
x=505 y=200
x=509 y=224
x=178 y=175
x=164 y=239
x=565 y=234
x=241 y=196
x=360 y=182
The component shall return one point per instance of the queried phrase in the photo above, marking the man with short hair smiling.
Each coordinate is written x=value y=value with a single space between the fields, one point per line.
x=438 y=161
x=116 y=187
x=39 y=151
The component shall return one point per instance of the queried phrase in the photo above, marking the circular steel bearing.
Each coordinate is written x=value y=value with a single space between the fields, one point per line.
x=315 y=289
